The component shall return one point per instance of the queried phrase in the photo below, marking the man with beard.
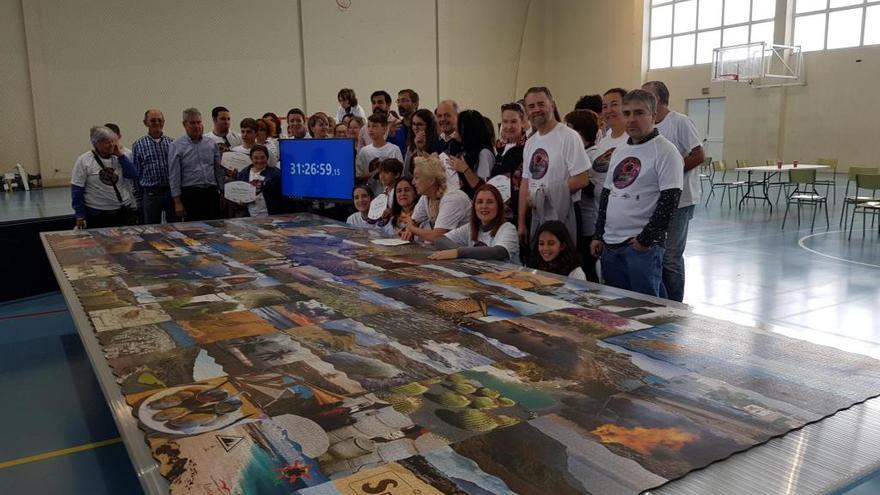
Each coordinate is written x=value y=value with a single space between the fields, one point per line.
x=407 y=104
x=222 y=134
x=381 y=102
x=555 y=167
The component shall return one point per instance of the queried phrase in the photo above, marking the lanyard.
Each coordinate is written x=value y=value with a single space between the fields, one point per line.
x=108 y=175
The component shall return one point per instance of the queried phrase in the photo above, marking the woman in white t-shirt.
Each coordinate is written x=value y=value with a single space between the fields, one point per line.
x=403 y=203
x=553 y=251
x=438 y=210
x=362 y=196
x=487 y=236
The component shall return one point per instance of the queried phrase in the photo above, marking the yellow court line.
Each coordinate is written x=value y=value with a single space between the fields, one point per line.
x=58 y=453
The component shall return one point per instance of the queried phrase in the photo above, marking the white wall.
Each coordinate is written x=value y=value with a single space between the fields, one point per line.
x=250 y=58
x=62 y=74
x=17 y=136
x=577 y=47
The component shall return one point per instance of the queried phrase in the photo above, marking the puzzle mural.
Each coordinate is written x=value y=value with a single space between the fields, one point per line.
x=291 y=354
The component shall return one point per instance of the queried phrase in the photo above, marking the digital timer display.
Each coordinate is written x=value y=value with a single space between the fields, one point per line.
x=317 y=168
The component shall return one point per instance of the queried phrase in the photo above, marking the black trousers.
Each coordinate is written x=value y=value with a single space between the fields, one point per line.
x=200 y=203
x=99 y=219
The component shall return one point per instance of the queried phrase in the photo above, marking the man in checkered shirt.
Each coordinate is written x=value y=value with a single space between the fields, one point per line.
x=150 y=156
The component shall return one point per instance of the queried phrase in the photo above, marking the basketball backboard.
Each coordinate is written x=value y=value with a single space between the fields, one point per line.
x=760 y=64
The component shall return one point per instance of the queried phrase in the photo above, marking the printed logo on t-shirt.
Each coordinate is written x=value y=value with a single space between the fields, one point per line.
x=539 y=163
x=108 y=176
x=603 y=161
x=626 y=172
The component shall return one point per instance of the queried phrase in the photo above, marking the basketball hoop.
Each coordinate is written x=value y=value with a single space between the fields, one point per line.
x=760 y=64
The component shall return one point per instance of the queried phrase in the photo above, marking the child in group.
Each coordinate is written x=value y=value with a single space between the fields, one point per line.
x=487 y=236
x=377 y=128
x=362 y=196
x=553 y=251
x=390 y=169
x=341 y=130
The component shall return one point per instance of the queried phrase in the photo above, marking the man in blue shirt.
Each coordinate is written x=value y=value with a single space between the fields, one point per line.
x=194 y=171
x=407 y=104
x=150 y=157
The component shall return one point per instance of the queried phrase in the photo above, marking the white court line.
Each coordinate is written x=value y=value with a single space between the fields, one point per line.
x=801 y=244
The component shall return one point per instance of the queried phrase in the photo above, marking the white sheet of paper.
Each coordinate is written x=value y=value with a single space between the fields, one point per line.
x=389 y=242
x=502 y=183
x=377 y=207
x=240 y=192
x=452 y=182
x=233 y=160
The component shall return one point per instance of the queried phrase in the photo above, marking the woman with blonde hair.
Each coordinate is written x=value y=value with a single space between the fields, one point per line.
x=438 y=210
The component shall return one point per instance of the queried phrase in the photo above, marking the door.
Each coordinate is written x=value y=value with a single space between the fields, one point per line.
x=708 y=116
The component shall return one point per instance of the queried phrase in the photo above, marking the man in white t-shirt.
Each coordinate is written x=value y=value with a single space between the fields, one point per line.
x=640 y=196
x=222 y=134
x=553 y=158
x=377 y=128
x=682 y=133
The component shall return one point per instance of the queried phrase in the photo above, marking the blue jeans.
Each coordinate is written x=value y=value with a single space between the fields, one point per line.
x=673 y=260
x=625 y=268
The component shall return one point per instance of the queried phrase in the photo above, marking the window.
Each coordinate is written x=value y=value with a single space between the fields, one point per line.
x=829 y=24
x=685 y=32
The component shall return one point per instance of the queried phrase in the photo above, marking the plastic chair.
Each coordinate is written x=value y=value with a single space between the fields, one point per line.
x=780 y=183
x=725 y=185
x=805 y=195
x=867 y=182
x=851 y=175
x=706 y=174
x=829 y=184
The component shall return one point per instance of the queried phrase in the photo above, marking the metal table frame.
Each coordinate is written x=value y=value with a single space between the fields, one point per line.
x=769 y=172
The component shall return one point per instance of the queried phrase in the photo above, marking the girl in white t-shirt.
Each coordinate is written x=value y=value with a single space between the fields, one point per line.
x=487 y=236
x=362 y=196
x=438 y=210
x=553 y=251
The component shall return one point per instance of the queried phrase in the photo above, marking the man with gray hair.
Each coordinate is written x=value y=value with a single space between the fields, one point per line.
x=194 y=171
x=640 y=195
x=151 y=159
x=682 y=133
x=447 y=121
x=100 y=183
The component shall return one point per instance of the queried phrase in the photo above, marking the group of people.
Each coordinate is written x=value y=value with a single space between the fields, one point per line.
x=611 y=182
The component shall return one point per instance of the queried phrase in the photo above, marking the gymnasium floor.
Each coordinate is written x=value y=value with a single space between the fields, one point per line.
x=59 y=437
